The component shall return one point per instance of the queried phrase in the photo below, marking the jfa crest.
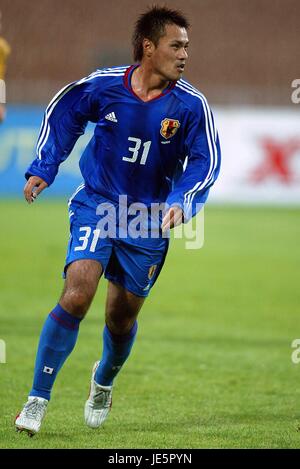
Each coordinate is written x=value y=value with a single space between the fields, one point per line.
x=169 y=127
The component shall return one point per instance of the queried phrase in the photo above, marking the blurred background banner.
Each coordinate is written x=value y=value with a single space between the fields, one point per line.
x=244 y=56
x=18 y=137
x=261 y=155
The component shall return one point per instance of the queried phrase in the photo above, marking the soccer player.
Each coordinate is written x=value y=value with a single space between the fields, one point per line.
x=4 y=53
x=148 y=120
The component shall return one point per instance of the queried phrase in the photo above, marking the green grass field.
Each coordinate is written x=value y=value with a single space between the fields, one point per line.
x=211 y=367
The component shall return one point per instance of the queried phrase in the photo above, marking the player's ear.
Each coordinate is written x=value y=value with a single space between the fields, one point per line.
x=148 y=47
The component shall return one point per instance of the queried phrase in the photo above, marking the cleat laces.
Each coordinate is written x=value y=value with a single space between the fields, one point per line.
x=33 y=410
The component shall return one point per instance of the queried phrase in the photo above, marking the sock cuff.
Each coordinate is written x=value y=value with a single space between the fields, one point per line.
x=124 y=337
x=64 y=318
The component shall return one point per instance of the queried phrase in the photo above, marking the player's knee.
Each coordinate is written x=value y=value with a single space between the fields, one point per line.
x=76 y=302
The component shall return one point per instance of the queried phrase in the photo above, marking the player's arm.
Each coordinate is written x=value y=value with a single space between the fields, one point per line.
x=204 y=155
x=64 y=121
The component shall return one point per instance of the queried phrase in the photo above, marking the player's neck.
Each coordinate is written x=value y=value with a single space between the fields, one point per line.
x=147 y=84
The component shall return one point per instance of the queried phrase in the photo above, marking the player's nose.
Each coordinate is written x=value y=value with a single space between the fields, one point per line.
x=183 y=54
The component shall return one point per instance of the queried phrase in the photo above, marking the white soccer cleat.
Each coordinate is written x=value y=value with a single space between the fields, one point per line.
x=31 y=417
x=99 y=402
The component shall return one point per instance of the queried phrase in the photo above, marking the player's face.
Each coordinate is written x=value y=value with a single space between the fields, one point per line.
x=170 y=55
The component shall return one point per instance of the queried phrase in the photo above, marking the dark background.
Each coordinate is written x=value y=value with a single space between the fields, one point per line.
x=241 y=51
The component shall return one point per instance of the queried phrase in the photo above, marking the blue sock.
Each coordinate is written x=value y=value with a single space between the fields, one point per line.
x=116 y=349
x=57 y=340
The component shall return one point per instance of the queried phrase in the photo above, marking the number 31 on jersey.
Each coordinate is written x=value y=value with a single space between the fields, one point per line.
x=135 y=150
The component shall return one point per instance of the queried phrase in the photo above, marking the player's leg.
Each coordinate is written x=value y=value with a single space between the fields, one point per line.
x=122 y=308
x=61 y=328
x=58 y=338
x=87 y=255
x=82 y=278
x=132 y=271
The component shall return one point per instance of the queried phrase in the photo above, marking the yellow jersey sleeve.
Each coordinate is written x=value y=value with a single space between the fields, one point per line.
x=4 y=53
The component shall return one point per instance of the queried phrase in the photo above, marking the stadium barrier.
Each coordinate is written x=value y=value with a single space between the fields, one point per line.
x=260 y=155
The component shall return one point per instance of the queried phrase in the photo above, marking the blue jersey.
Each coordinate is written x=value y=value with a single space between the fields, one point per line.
x=163 y=150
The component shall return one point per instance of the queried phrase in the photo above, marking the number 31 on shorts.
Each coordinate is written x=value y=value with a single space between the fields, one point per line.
x=85 y=239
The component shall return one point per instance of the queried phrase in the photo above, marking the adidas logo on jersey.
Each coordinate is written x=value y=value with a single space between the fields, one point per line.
x=111 y=117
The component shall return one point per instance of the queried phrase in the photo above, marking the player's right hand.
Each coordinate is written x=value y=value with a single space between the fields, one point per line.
x=34 y=186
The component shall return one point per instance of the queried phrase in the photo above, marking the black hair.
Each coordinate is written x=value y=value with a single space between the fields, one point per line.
x=151 y=25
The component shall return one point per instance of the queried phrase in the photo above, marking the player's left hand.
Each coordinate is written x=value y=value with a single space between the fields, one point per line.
x=172 y=218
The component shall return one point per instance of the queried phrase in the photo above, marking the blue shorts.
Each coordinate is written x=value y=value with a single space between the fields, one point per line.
x=134 y=263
